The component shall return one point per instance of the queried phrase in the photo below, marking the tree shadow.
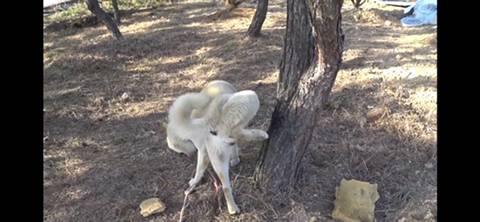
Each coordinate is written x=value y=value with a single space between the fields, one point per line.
x=371 y=151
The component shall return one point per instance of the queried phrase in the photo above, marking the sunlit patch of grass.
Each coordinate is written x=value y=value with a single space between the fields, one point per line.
x=80 y=9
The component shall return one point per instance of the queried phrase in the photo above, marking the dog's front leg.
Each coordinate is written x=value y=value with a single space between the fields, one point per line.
x=221 y=167
x=202 y=164
x=235 y=158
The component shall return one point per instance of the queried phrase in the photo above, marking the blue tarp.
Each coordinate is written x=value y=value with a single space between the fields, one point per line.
x=424 y=13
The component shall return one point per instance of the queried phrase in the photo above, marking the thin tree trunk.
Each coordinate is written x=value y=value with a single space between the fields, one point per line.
x=116 y=14
x=310 y=62
x=258 y=19
x=231 y=4
x=94 y=7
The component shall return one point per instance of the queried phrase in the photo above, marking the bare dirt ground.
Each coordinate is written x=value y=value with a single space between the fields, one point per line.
x=105 y=102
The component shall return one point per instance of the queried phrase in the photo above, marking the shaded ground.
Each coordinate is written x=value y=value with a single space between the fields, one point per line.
x=104 y=154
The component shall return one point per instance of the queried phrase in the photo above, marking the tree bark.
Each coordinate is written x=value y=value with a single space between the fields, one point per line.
x=231 y=3
x=311 y=58
x=258 y=19
x=94 y=7
x=358 y=3
x=116 y=14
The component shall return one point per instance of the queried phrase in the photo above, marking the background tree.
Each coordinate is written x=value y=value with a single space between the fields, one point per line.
x=358 y=3
x=258 y=19
x=231 y=4
x=116 y=14
x=94 y=7
x=311 y=58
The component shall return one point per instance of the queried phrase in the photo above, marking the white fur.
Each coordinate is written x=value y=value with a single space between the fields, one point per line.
x=212 y=90
x=215 y=134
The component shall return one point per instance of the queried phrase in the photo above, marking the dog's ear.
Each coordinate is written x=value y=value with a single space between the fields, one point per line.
x=213 y=132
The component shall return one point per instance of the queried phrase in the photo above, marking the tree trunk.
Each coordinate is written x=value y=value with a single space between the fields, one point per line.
x=311 y=59
x=94 y=7
x=231 y=3
x=116 y=14
x=358 y=3
x=258 y=18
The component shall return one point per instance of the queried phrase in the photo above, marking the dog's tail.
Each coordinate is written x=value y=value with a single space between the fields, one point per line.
x=214 y=89
x=181 y=110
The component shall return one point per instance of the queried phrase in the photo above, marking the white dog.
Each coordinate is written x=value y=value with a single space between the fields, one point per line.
x=215 y=134
x=212 y=90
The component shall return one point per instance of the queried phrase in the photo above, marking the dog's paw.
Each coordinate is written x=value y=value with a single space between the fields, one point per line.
x=233 y=210
x=234 y=162
x=193 y=182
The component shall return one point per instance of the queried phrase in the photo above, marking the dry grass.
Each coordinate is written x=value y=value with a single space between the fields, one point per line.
x=105 y=154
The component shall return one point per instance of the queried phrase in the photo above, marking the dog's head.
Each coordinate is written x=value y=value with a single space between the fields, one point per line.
x=221 y=142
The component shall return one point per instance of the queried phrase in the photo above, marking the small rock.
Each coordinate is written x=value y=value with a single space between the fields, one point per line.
x=419 y=215
x=99 y=100
x=362 y=121
x=429 y=165
x=124 y=96
x=376 y=113
x=313 y=219
x=356 y=18
x=355 y=201
x=361 y=148
x=46 y=174
x=429 y=215
x=405 y=93
x=151 y=206
x=388 y=23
